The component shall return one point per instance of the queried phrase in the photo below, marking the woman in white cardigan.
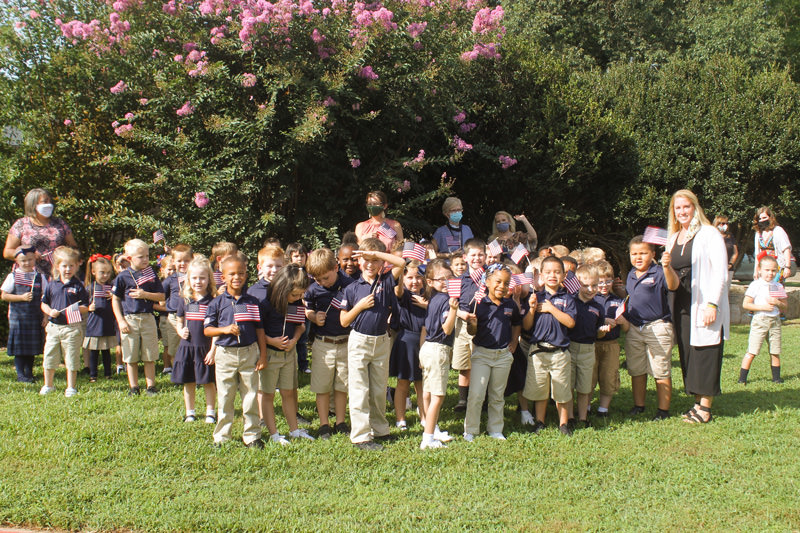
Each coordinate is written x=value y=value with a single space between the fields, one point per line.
x=700 y=311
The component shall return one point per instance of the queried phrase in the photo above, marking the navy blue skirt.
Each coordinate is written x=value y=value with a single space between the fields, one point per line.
x=25 y=336
x=188 y=366
x=404 y=360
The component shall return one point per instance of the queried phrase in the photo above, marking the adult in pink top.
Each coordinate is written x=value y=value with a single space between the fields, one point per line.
x=376 y=207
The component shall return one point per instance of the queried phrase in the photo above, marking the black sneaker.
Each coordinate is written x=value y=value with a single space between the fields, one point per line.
x=572 y=423
x=386 y=438
x=133 y=391
x=341 y=427
x=324 y=431
x=636 y=410
x=151 y=391
x=460 y=407
x=777 y=380
x=303 y=421
x=602 y=414
x=257 y=444
x=584 y=424
x=565 y=429
x=368 y=446
x=661 y=415
x=537 y=427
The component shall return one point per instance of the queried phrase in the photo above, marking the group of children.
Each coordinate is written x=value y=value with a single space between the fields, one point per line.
x=546 y=328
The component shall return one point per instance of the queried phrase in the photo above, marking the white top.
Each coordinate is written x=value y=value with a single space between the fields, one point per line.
x=759 y=292
x=709 y=285
x=780 y=241
x=8 y=284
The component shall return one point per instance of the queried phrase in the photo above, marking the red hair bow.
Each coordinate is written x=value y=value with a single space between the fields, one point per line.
x=95 y=257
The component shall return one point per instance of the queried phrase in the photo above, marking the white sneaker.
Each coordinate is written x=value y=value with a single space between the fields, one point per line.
x=401 y=425
x=527 y=418
x=432 y=444
x=46 y=390
x=469 y=437
x=121 y=369
x=70 y=392
x=307 y=371
x=300 y=433
x=167 y=370
x=211 y=418
x=440 y=435
x=498 y=436
x=277 y=438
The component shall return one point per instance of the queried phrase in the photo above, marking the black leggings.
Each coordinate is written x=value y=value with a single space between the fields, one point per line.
x=93 y=361
x=24 y=366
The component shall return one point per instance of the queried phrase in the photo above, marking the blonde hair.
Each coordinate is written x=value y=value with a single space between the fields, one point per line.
x=321 y=261
x=180 y=249
x=134 y=245
x=166 y=262
x=577 y=255
x=604 y=269
x=222 y=249
x=271 y=251
x=61 y=254
x=199 y=261
x=673 y=225
x=559 y=250
x=593 y=255
x=372 y=245
x=587 y=269
x=512 y=225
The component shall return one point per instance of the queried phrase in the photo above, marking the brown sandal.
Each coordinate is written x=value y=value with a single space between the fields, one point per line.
x=695 y=417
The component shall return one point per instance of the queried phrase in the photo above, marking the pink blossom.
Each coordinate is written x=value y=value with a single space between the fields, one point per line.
x=67 y=122
x=20 y=24
x=178 y=58
x=328 y=102
x=170 y=8
x=188 y=47
x=248 y=80
x=367 y=73
x=119 y=87
x=200 y=199
x=186 y=109
x=194 y=56
x=489 y=20
x=356 y=106
x=317 y=37
x=461 y=145
x=420 y=156
x=404 y=187
x=355 y=163
x=415 y=29
x=417 y=45
x=33 y=14
x=466 y=127
x=124 y=130
x=507 y=162
x=129 y=116
x=488 y=50
x=325 y=53
x=417 y=118
x=459 y=117
x=156 y=52
x=200 y=69
x=143 y=101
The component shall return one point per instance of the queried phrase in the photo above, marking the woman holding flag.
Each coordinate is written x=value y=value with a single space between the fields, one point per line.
x=504 y=230
x=377 y=225
x=700 y=311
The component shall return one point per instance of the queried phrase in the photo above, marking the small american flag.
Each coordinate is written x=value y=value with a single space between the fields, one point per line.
x=246 y=313
x=296 y=314
x=336 y=303
x=146 y=275
x=512 y=284
x=777 y=290
x=73 y=314
x=25 y=279
x=386 y=231
x=218 y=277
x=452 y=242
x=158 y=235
x=494 y=248
x=412 y=250
x=571 y=283
x=48 y=256
x=620 y=310
x=101 y=291
x=655 y=235
x=454 y=288
x=526 y=278
x=196 y=312
x=519 y=252
x=476 y=275
x=480 y=293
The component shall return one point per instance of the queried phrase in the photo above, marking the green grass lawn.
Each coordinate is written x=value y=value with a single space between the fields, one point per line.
x=103 y=461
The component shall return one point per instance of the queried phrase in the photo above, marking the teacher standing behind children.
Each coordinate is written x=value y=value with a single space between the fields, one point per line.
x=377 y=225
x=700 y=310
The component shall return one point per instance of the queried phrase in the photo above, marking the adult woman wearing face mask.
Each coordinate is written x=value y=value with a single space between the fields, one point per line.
x=504 y=229
x=721 y=223
x=454 y=234
x=771 y=239
x=376 y=207
x=39 y=229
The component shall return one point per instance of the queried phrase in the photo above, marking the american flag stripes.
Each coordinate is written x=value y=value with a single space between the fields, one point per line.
x=73 y=314
x=101 y=291
x=518 y=253
x=196 y=312
x=25 y=279
x=479 y=294
x=48 y=256
x=526 y=278
x=476 y=275
x=655 y=235
x=145 y=275
x=296 y=314
x=336 y=303
x=776 y=290
x=386 y=231
x=218 y=277
x=620 y=310
x=452 y=242
x=412 y=250
x=494 y=248
x=158 y=235
x=571 y=283
x=454 y=288
x=246 y=313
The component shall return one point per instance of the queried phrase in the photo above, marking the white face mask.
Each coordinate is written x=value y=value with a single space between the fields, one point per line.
x=45 y=210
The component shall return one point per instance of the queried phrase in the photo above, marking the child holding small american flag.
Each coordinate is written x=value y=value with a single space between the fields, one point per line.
x=65 y=301
x=283 y=317
x=766 y=299
x=23 y=289
x=195 y=353
x=100 y=331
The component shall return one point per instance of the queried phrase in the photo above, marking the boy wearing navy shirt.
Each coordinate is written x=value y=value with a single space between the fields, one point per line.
x=648 y=344
x=181 y=255
x=234 y=318
x=606 y=349
x=134 y=291
x=329 y=364
x=367 y=304
x=550 y=366
x=589 y=324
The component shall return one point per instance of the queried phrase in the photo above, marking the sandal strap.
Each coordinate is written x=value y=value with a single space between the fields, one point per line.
x=704 y=409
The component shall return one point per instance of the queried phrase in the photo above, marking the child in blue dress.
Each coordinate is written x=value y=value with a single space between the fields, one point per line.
x=100 y=323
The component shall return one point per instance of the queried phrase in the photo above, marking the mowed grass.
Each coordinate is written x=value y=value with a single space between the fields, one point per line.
x=103 y=461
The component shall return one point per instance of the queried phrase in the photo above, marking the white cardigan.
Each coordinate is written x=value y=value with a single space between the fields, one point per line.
x=709 y=275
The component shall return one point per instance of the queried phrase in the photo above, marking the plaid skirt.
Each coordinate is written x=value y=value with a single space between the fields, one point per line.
x=25 y=336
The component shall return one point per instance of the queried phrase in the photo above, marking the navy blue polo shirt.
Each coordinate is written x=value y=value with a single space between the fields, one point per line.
x=259 y=289
x=274 y=322
x=319 y=298
x=124 y=283
x=647 y=297
x=101 y=321
x=545 y=326
x=590 y=316
x=468 y=289
x=494 y=323
x=220 y=314
x=60 y=295
x=372 y=321
x=610 y=303
x=172 y=292
x=412 y=317
x=438 y=309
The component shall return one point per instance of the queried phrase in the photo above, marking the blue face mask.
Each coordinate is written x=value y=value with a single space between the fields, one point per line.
x=455 y=217
x=502 y=227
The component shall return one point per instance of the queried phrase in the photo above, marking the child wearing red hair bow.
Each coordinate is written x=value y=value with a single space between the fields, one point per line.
x=100 y=333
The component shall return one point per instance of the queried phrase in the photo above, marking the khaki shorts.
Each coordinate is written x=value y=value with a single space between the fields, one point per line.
x=141 y=344
x=63 y=341
x=768 y=328
x=606 y=367
x=434 y=360
x=462 y=347
x=648 y=350
x=329 y=364
x=281 y=371
x=169 y=333
x=549 y=374
x=582 y=366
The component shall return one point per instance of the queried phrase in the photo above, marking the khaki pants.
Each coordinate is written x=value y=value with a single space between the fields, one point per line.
x=329 y=365
x=63 y=341
x=141 y=344
x=582 y=366
x=169 y=333
x=606 y=367
x=236 y=369
x=462 y=347
x=648 y=349
x=490 y=370
x=368 y=375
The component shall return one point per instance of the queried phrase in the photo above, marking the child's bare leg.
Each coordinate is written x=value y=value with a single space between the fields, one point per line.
x=639 y=386
x=340 y=401
x=266 y=402
x=211 y=396
x=563 y=411
x=49 y=376
x=583 y=405
x=463 y=378
x=72 y=379
x=748 y=360
x=262 y=403
x=400 y=395
x=604 y=401
x=189 y=390
x=167 y=359
x=775 y=359
x=523 y=402
x=540 y=406
x=664 y=393
x=289 y=406
x=118 y=355
x=420 y=403
x=323 y=403
x=432 y=412
x=150 y=374
x=133 y=374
